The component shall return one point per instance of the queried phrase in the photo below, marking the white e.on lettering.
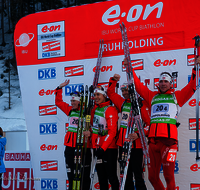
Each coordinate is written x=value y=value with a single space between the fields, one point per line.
x=116 y=13
x=108 y=15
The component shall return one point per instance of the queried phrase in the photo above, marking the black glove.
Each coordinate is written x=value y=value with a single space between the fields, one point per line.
x=99 y=153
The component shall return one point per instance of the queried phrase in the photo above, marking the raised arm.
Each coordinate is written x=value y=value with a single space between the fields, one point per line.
x=65 y=107
x=114 y=97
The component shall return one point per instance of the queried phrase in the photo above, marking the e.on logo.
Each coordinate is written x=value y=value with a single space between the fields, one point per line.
x=192 y=103
x=48 y=147
x=48 y=92
x=194 y=167
x=113 y=14
x=104 y=68
x=158 y=62
x=52 y=28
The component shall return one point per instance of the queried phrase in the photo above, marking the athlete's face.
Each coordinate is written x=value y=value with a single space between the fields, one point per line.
x=125 y=93
x=75 y=104
x=164 y=86
x=99 y=98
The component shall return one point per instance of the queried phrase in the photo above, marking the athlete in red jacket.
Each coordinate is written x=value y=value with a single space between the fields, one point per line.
x=163 y=135
x=136 y=159
x=71 y=135
x=104 y=119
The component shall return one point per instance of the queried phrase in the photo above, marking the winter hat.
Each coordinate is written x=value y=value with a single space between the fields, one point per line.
x=100 y=89
x=75 y=96
x=165 y=76
x=124 y=86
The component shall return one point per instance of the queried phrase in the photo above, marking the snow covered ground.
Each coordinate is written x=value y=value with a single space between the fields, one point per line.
x=10 y=119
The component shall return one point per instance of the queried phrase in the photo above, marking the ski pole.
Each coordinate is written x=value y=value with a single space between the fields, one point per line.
x=94 y=163
x=196 y=54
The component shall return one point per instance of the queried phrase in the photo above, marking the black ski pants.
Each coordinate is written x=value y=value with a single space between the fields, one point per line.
x=69 y=160
x=135 y=167
x=107 y=170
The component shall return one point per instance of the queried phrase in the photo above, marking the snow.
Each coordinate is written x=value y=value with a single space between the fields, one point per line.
x=11 y=119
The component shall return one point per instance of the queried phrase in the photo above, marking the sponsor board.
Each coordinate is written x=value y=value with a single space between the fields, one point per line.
x=136 y=65
x=195 y=167
x=48 y=128
x=18 y=178
x=47 y=73
x=74 y=71
x=159 y=63
x=190 y=60
x=44 y=147
x=17 y=157
x=42 y=92
x=51 y=40
x=104 y=68
x=192 y=102
x=51 y=165
x=47 y=110
x=51 y=46
x=110 y=18
x=193 y=145
x=49 y=184
x=72 y=88
x=194 y=186
x=192 y=124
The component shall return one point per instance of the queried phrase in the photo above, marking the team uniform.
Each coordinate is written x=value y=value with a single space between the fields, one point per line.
x=70 y=141
x=136 y=159
x=163 y=134
x=105 y=116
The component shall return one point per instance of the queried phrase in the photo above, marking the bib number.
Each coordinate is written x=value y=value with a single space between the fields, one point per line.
x=171 y=157
x=74 y=121
x=161 y=108
x=125 y=116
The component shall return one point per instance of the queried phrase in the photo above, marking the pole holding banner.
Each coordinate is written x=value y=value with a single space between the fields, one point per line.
x=196 y=54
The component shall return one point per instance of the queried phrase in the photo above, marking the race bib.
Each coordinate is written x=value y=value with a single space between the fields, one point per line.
x=73 y=121
x=171 y=157
x=125 y=116
x=160 y=108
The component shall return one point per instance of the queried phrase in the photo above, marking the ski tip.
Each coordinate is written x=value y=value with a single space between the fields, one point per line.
x=86 y=88
x=82 y=88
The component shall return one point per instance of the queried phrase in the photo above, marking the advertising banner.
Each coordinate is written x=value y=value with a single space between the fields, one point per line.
x=63 y=44
x=19 y=172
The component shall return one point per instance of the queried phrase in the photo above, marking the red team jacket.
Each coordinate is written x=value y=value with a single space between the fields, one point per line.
x=70 y=137
x=111 y=115
x=118 y=102
x=182 y=96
